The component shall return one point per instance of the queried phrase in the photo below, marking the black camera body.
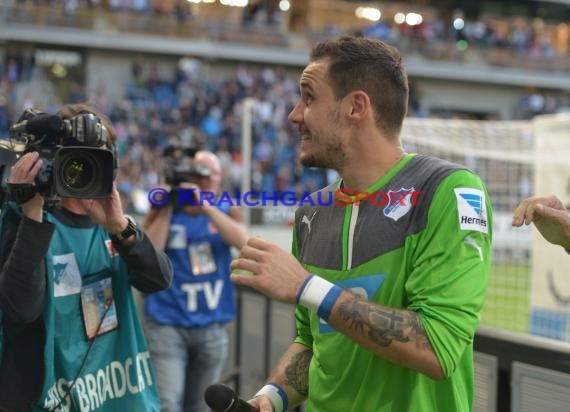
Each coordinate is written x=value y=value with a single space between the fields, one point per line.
x=179 y=167
x=74 y=165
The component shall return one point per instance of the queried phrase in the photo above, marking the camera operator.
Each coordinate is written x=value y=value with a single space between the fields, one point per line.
x=185 y=327
x=72 y=339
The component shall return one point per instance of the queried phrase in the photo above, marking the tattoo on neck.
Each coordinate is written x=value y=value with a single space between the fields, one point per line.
x=297 y=372
x=384 y=325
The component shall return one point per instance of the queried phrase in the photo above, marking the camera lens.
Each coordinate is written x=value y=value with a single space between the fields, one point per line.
x=77 y=172
x=83 y=172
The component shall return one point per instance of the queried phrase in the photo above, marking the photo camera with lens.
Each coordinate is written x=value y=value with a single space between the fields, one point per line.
x=74 y=164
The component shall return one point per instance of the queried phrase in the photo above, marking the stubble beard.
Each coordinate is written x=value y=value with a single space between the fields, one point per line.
x=332 y=157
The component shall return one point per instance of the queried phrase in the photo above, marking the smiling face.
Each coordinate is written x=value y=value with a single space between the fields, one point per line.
x=317 y=114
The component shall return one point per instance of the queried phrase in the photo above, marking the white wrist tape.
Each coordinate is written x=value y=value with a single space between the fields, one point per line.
x=276 y=395
x=319 y=295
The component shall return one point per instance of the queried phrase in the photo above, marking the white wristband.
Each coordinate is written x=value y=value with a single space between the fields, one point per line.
x=319 y=295
x=276 y=395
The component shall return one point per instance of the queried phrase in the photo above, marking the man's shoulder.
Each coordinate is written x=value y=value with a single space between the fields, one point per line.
x=440 y=170
x=435 y=163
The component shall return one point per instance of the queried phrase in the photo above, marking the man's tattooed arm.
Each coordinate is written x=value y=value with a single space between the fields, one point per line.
x=297 y=371
x=384 y=325
x=395 y=334
x=292 y=373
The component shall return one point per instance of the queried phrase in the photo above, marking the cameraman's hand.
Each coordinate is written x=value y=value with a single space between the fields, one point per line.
x=25 y=171
x=107 y=212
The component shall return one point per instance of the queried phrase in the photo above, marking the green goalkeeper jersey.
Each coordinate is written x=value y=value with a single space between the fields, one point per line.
x=430 y=253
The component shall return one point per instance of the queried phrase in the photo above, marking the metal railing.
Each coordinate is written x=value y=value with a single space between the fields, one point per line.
x=234 y=376
x=541 y=357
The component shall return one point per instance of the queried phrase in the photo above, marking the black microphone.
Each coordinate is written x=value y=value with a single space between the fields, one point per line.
x=222 y=398
x=40 y=125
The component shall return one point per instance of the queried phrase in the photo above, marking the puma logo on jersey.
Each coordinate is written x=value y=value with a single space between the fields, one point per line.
x=308 y=221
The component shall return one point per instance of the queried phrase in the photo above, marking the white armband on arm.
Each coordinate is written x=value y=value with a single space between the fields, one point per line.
x=276 y=395
x=319 y=295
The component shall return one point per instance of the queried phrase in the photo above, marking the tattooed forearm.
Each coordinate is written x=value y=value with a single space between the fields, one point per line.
x=384 y=325
x=422 y=341
x=297 y=372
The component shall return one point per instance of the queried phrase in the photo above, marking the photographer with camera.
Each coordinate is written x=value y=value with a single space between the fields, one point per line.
x=185 y=324
x=71 y=336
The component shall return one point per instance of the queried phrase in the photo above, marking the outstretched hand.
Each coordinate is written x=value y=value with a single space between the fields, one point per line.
x=275 y=272
x=550 y=217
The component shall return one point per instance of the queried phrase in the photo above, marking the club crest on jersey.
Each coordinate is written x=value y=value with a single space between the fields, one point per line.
x=472 y=209
x=66 y=275
x=399 y=203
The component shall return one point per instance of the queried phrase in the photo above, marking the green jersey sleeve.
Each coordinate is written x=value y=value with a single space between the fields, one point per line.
x=451 y=265
x=302 y=324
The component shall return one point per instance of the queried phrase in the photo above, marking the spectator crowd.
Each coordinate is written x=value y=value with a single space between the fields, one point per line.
x=193 y=108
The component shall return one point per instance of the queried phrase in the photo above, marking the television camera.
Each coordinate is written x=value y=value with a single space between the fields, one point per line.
x=74 y=164
x=179 y=167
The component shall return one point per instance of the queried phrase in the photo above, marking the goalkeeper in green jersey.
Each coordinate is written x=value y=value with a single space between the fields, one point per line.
x=390 y=278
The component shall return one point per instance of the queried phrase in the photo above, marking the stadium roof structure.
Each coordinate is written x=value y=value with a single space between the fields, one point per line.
x=471 y=7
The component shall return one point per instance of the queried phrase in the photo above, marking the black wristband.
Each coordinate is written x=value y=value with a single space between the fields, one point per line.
x=130 y=230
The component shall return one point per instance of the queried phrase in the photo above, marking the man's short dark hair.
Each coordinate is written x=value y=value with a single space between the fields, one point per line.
x=370 y=65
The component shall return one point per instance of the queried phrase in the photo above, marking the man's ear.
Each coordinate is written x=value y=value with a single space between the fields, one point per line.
x=359 y=104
